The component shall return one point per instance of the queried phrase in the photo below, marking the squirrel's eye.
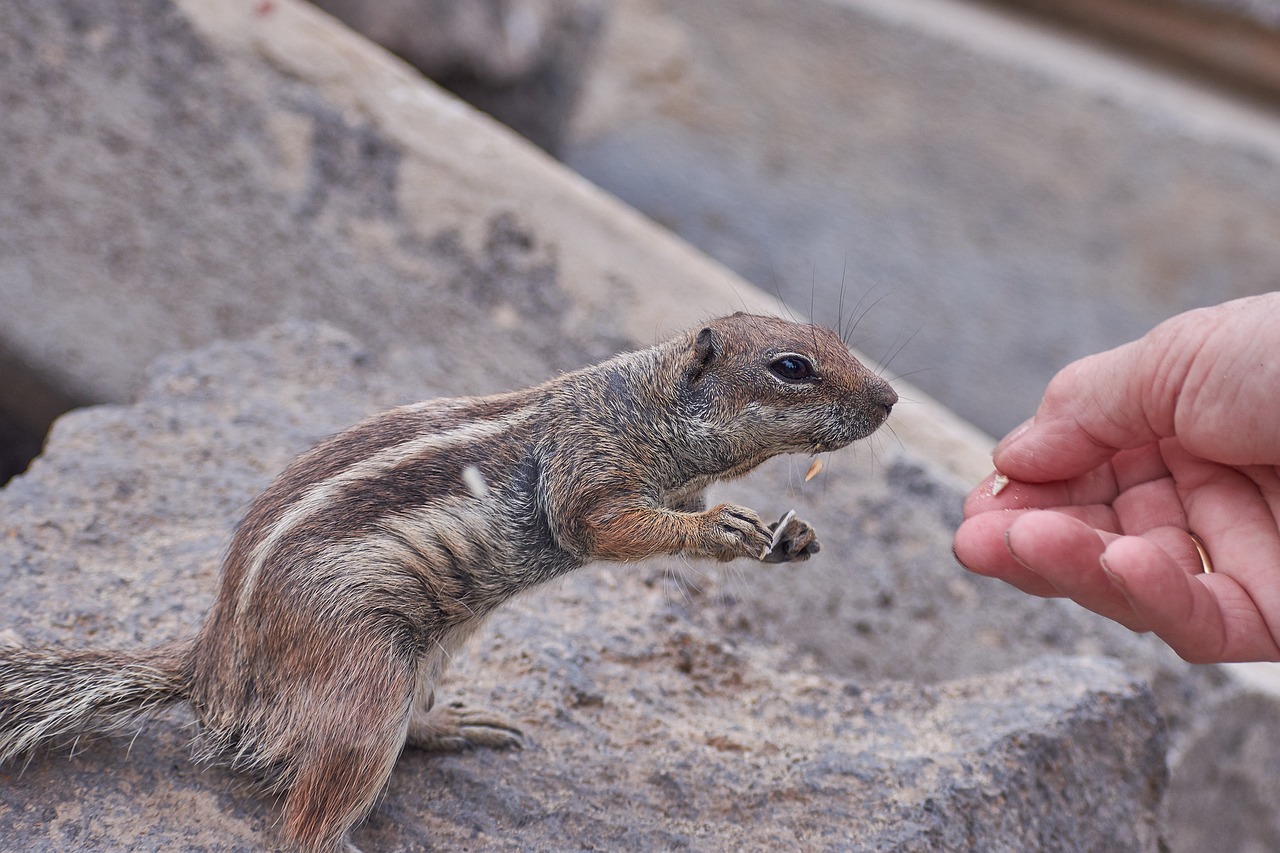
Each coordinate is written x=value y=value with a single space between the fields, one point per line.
x=793 y=368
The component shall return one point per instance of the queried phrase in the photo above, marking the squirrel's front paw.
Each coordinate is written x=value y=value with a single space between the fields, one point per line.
x=793 y=540
x=730 y=531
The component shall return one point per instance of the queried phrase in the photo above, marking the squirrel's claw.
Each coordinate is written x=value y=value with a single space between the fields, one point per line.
x=454 y=727
x=793 y=540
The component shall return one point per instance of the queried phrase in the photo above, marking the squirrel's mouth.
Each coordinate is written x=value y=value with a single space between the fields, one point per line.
x=847 y=432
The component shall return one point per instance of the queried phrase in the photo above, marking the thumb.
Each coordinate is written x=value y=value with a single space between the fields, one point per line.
x=1093 y=408
x=1207 y=376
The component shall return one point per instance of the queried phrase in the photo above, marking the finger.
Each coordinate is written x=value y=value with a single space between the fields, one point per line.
x=1127 y=470
x=1094 y=487
x=1067 y=554
x=1235 y=513
x=1150 y=506
x=1180 y=547
x=994 y=524
x=979 y=546
x=1140 y=465
x=1204 y=618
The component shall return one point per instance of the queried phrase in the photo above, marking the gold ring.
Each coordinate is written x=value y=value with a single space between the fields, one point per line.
x=1206 y=562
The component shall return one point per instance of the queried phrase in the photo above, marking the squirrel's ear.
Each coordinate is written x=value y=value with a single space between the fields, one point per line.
x=706 y=349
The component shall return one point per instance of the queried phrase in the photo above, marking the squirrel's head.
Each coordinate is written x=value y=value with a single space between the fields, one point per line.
x=775 y=386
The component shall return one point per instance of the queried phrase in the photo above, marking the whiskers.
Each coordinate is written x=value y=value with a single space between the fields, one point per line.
x=686 y=582
x=678 y=576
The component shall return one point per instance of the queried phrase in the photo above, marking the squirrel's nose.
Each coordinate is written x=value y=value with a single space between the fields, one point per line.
x=883 y=394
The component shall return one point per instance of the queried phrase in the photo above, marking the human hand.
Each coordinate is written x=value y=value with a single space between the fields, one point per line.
x=1129 y=452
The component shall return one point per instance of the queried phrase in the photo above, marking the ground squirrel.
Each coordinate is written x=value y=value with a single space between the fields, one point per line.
x=361 y=568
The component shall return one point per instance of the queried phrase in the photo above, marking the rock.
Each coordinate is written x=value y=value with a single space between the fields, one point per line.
x=180 y=174
x=987 y=199
x=177 y=174
x=653 y=723
x=522 y=62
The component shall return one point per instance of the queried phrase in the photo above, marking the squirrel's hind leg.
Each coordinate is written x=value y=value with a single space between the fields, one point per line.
x=345 y=755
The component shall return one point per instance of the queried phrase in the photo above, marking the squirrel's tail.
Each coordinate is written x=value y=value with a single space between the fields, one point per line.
x=49 y=696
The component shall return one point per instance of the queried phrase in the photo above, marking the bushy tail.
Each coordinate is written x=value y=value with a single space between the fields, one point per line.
x=52 y=696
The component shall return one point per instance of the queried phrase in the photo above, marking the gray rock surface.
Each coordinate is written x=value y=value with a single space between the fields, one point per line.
x=178 y=174
x=1004 y=200
x=658 y=717
x=521 y=61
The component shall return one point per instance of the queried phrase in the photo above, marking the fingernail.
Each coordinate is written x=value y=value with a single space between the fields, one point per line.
x=1012 y=438
x=1008 y=544
x=1111 y=576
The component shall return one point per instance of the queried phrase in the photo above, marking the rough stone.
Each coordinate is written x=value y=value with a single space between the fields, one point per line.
x=654 y=723
x=521 y=62
x=178 y=174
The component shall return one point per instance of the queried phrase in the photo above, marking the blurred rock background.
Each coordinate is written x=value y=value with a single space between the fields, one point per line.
x=986 y=190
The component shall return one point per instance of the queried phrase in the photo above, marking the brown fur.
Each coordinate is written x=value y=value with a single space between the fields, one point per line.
x=373 y=556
